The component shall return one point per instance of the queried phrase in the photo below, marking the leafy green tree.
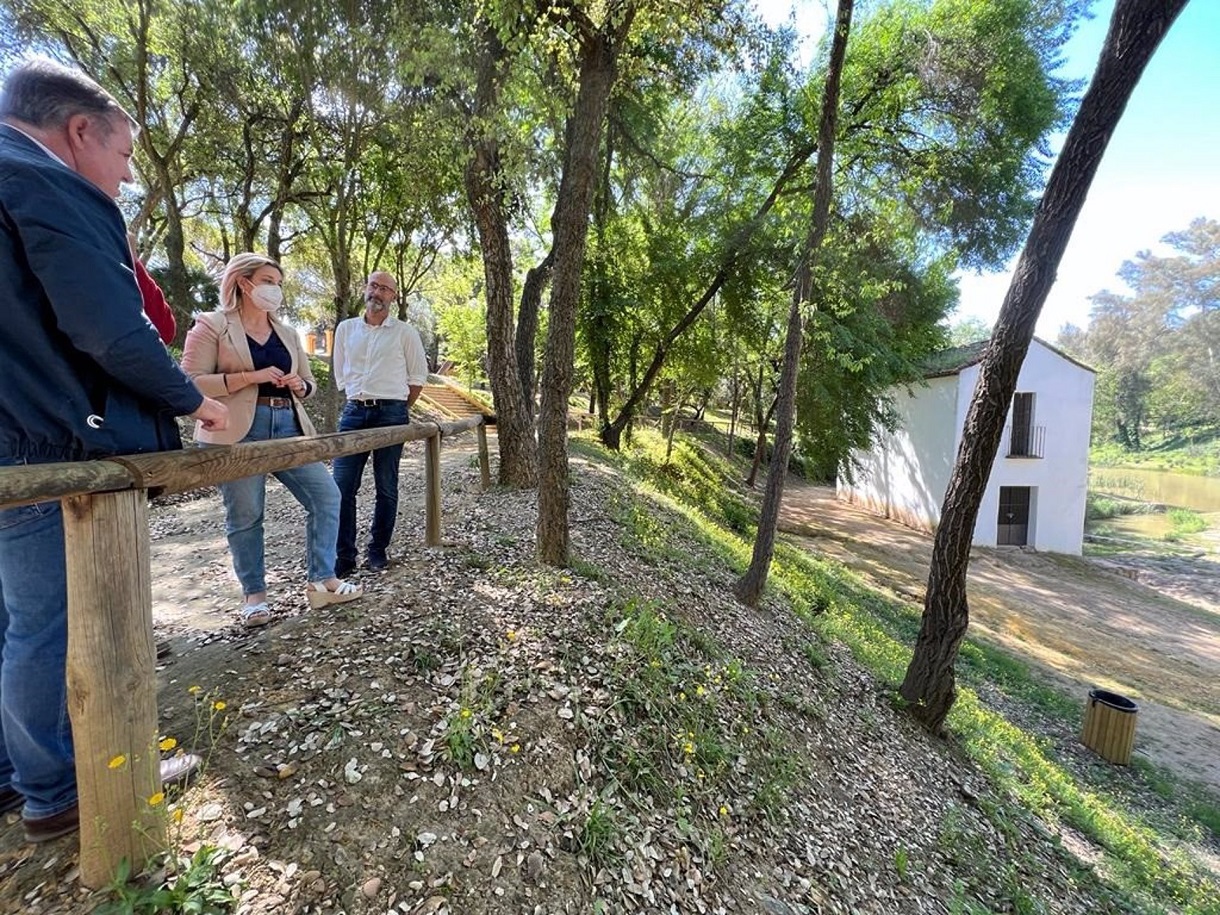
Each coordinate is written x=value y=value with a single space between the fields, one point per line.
x=749 y=588
x=964 y=331
x=1155 y=347
x=1136 y=30
x=454 y=289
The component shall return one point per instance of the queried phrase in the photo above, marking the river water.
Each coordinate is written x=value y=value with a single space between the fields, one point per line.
x=1178 y=490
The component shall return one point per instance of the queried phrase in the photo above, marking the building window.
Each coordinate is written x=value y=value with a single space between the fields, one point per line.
x=1025 y=439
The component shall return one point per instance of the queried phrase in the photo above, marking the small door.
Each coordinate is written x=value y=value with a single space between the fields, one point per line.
x=1013 y=526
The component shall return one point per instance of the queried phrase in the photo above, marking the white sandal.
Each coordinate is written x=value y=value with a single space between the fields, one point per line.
x=321 y=596
x=255 y=615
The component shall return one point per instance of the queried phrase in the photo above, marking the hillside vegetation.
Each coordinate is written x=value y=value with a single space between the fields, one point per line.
x=484 y=735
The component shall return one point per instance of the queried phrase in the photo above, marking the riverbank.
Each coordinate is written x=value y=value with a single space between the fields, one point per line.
x=1195 y=452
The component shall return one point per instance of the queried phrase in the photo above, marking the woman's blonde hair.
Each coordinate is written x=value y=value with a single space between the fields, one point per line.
x=241 y=266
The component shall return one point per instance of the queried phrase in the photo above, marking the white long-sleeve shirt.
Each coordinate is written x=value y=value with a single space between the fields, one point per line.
x=378 y=361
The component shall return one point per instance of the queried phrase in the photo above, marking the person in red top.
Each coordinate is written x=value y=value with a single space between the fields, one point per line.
x=155 y=306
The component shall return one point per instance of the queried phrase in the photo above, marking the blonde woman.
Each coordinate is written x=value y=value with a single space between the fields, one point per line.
x=252 y=362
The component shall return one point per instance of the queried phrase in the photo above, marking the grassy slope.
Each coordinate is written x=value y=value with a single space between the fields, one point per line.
x=1196 y=452
x=1143 y=843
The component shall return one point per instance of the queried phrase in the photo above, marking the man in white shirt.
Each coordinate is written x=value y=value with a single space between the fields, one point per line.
x=379 y=364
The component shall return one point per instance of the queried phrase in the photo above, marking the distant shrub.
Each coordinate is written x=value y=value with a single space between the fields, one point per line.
x=1185 y=521
x=1101 y=508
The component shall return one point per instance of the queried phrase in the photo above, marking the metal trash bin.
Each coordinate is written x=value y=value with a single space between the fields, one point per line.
x=1109 y=725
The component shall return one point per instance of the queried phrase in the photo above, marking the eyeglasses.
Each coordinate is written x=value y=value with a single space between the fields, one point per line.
x=380 y=287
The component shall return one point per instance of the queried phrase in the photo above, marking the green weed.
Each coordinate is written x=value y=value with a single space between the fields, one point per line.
x=878 y=631
x=598 y=836
x=196 y=887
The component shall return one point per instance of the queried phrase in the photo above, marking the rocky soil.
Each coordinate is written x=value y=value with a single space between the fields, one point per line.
x=482 y=735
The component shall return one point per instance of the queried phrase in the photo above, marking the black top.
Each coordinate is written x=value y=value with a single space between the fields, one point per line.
x=273 y=352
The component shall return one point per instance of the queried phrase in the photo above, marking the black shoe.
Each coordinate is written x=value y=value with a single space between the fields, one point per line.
x=377 y=564
x=10 y=800
x=344 y=568
x=44 y=829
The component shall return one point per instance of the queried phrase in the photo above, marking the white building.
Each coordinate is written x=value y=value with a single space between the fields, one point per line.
x=1036 y=492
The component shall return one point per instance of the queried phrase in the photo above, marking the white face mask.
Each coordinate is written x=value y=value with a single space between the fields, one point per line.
x=266 y=297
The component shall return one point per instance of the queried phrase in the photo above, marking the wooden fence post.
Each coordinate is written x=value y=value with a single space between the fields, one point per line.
x=112 y=684
x=484 y=460
x=432 y=494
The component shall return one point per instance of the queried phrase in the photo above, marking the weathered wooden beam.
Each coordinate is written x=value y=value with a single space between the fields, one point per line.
x=112 y=684
x=26 y=483
x=432 y=492
x=179 y=471
x=484 y=458
x=191 y=468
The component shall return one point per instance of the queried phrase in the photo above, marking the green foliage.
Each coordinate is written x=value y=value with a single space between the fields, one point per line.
x=1184 y=521
x=878 y=630
x=1100 y=508
x=1192 y=450
x=690 y=472
x=876 y=321
x=598 y=834
x=1151 y=348
x=197 y=888
x=461 y=314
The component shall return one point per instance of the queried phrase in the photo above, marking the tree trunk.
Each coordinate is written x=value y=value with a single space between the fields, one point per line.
x=1136 y=29
x=570 y=225
x=485 y=192
x=536 y=279
x=749 y=589
x=763 y=421
x=177 y=283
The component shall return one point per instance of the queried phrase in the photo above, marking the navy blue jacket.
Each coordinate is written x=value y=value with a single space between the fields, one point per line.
x=83 y=373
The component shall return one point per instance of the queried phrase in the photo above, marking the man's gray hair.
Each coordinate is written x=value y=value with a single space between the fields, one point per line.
x=45 y=94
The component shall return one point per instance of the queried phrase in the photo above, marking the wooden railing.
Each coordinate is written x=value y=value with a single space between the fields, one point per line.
x=111 y=667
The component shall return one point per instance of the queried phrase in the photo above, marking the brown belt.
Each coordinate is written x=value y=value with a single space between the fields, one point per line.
x=276 y=403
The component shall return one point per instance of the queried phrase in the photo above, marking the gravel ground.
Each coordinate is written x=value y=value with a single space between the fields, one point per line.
x=482 y=735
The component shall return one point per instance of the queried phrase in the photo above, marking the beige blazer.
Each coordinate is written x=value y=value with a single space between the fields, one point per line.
x=216 y=346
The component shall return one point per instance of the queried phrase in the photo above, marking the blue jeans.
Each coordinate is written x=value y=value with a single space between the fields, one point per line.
x=36 y=757
x=349 y=469
x=245 y=499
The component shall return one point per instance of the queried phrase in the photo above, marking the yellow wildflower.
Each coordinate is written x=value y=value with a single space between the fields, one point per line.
x=724 y=811
x=466 y=713
x=516 y=748
x=179 y=814
x=194 y=690
x=219 y=705
x=156 y=799
x=117 y=762
x=167 y=744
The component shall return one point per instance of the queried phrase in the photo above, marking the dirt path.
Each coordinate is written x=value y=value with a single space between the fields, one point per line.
x=1083 y=622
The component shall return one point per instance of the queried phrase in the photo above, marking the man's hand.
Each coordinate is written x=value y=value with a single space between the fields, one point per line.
x=213 y=414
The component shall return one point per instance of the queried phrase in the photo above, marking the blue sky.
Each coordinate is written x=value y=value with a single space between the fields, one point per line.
x=1160 y=171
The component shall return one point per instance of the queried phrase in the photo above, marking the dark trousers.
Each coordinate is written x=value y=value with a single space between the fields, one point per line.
x=348 y=471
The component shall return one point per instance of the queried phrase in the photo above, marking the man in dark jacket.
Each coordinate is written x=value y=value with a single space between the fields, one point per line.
x=84 y=376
